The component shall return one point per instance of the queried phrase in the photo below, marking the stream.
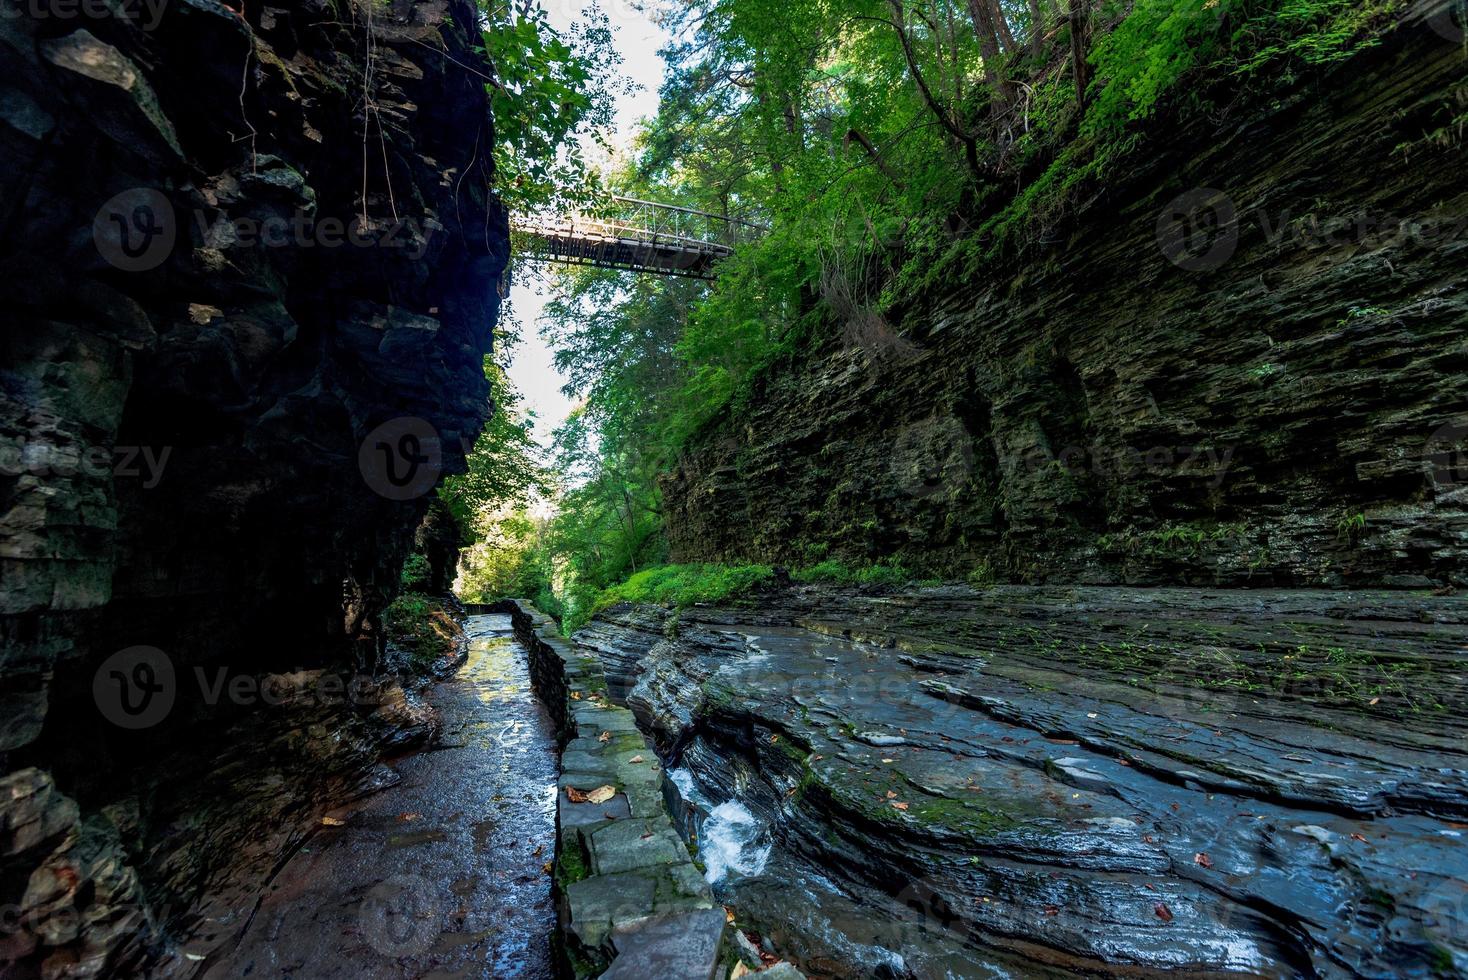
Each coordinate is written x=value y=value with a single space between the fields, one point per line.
x=441 y=875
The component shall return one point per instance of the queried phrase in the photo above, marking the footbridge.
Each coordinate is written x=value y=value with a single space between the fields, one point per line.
x=636 y=235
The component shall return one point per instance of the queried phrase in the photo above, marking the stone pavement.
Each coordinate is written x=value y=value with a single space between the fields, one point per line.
x=632 y=902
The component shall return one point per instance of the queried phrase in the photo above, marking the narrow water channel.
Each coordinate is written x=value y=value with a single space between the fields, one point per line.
x=442 y=875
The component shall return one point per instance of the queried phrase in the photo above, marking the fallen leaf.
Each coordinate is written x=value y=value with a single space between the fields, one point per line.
x=601 y=794
x=575 y=695
x=332 y=822
x=538 y=851
x=891 y=795
x=1202 y=860
x=1051 y=910
x=546 y=867
x=898 y=806
x=1163 y=912
x=1175 y=807
x=889 y=760
x=1374 y=701
x=740 y=970
x=1358 y=837
x=728 y=915
x=409 y=817
x=604 y=737
x=774 y=739
x=636 y=759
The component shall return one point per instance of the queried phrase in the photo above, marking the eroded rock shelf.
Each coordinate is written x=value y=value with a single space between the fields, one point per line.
x=1043 y=781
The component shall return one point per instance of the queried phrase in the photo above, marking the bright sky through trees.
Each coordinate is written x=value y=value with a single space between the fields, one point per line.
x=637 y=39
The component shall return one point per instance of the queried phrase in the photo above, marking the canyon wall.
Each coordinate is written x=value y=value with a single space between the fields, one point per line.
x=253 y=265
x=1240 y=363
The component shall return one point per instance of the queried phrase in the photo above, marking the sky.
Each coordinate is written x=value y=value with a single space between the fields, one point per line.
x=637 y=39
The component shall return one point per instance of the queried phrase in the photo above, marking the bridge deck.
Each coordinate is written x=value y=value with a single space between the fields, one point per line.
x=666 y=256
x=641 y=236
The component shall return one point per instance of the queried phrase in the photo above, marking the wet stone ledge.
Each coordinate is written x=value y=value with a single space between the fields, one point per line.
x=631 y=902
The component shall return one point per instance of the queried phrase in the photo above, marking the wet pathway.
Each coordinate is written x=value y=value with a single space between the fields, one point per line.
x=441 y=876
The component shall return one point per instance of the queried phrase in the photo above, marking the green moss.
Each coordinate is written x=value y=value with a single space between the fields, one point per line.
x=571 y=866
x=684 y=585
x=423 y=626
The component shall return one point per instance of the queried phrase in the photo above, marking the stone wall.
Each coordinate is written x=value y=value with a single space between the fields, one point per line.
x=632 y=904
x=253 y=267
x=1286 y=405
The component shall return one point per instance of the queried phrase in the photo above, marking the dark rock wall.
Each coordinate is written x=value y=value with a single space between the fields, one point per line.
x=1286 y=406
x=252 y=266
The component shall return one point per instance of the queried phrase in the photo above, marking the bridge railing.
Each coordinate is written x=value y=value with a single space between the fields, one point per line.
x=629 y=233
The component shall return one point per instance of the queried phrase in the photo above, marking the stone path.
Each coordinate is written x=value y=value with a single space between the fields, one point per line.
x=443 y=875
x=633 y=903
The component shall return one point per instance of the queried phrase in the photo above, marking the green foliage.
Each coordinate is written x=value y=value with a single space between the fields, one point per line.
x=887 y=148
x=415 y=574
x=685 y=585
x=548 y=94
x=837 y=572
x=422 y=626
x=505 y=463
x=507 y=562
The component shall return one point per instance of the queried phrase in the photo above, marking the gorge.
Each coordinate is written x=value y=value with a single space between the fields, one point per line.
x=1032 y=548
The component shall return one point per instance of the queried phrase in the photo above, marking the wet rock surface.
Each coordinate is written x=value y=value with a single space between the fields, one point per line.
x=444 y=873
x=1043 y=781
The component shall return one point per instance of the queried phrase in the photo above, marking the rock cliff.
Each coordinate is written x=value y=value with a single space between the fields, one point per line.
x=252 y=265
x=1285 y=408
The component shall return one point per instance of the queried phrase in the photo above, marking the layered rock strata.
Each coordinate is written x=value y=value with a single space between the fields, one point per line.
x=252 y=267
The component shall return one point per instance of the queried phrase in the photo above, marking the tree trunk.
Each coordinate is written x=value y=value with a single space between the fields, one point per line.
x=1001 y=25
x=981 y=13
x=1037 y=29
x=1080 y=27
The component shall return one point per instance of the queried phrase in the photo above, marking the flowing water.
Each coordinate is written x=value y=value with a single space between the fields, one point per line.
x=443 y=874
